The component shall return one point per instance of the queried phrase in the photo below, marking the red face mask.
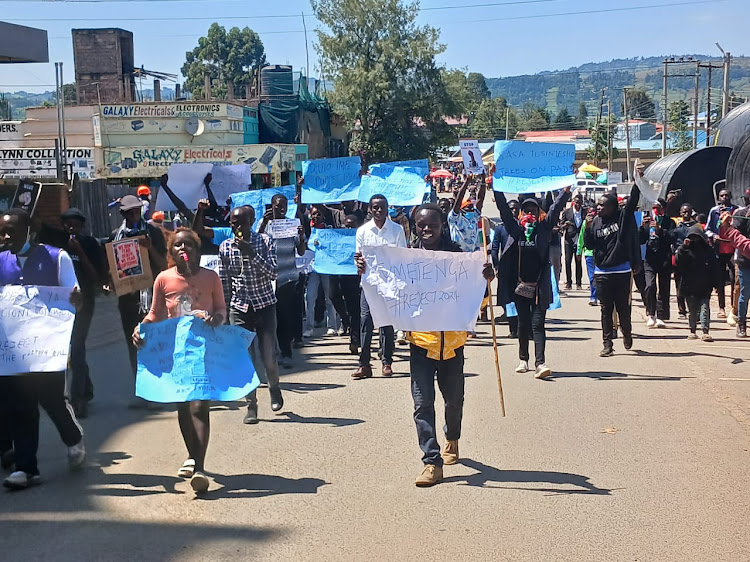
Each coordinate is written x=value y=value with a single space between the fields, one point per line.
x=657 y=211
x=527 y=218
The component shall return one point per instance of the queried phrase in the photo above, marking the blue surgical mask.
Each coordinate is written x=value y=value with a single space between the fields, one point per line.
x=392 y=212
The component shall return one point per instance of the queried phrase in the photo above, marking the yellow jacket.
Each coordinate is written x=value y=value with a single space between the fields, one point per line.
x=439 y=345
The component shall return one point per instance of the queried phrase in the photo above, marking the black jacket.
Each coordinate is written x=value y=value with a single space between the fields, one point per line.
x=569 y=224
x=698 y=266
x=615 y=240
x=543 y=235
x=659 y=246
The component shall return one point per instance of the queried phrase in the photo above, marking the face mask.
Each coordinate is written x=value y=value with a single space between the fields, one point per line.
x=392 y=212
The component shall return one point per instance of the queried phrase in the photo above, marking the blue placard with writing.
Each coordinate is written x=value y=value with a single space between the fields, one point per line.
x=402 y=186
x=259 y=198
x=331 y=180
x=334 y=250
x=531 y=167
x=184 y=359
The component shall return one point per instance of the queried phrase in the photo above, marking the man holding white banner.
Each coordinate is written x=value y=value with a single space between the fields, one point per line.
x=433 y=287
x=36 y=281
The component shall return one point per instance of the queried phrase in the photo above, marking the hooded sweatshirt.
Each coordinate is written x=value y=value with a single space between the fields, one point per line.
x=697 y=264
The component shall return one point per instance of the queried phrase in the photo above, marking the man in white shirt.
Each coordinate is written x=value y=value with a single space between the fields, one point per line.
x=25 y=262
x=380 y=231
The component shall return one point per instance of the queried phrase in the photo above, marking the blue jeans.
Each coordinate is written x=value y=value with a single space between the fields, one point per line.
x=313 y=281
x=450 y=379
x=699 y=306
x=590 y=269
x=744 y=292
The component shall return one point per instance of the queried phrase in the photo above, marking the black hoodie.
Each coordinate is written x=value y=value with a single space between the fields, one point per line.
x=697 y=264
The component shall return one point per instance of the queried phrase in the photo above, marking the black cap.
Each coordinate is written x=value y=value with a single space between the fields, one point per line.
x=73 y=213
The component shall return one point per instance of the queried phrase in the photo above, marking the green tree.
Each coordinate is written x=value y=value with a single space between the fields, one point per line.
x=387 y=84
x=640 y=104
x=477 y=87
x=679 y=111
x=456 y=87
x=598 y=150
x=534 y=117
x=226 y=56
x=488 y=121
x=564 y=120
x=6 y=113
x=582 y=119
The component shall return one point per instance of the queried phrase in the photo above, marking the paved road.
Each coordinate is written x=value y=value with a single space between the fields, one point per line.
x=638 y=457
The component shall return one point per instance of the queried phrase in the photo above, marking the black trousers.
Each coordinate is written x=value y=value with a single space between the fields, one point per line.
x=80 y=386
x=346 y=297
x=131 y=316
x=20 y=398
x=570 y=255
x=387 y=336
x=613 y=291
x=531 y=320
x=658 y=286
x=726 y=266
x=288 y=316
x=681 y=304
x=299 y=300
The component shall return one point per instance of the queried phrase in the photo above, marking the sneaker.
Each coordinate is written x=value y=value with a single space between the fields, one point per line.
x=364 y=372
x=343 y=331
x=277 y=401
x=251 y=417
x=692 y=336
x=650 y=322
x=523 y=367
x=20 y=480
x=199 y=483
x=400 y=338
x=682 y=316
x=307 y=333
x=285 y=362
x=607 y=351
x=331 y=332
x=593 y=302
x=707 y=338
x=76 y=455
x=568 y=286
x=660 y=323
x=430 y=476
x=450 y=452
x=741 y=330
x=579 y=287
x=542 y=371
x=732 y=319
x=627 y=341
x=471 y=335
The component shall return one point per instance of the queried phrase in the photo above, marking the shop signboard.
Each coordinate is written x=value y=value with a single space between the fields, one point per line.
x=203 y=110
x=42 y=163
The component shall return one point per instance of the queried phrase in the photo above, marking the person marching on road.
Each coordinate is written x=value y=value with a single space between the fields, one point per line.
x=187 y=289
x=434 y=354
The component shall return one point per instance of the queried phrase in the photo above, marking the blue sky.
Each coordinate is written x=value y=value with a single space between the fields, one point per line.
x=520 y=37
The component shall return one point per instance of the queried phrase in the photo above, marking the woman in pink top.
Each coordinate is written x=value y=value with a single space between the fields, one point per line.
x=188 y=289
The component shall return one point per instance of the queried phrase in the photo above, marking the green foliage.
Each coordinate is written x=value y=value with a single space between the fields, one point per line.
x=477 y=86
x=598 y=151
x=488 y=121
x=6 y=113
x=582 y=120
x=564 y=120
x=534 y=117
x=387 y=84
x=226 y=56
x=679 y=111
x=640 y=104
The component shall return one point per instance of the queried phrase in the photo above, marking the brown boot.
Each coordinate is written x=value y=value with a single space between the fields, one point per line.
x=450 y=452
x=430 y=476
x=387 y=371
x=364 y=372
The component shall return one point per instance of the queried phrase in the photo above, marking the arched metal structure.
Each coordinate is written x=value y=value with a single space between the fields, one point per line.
x=730 y=130
x=738 y=168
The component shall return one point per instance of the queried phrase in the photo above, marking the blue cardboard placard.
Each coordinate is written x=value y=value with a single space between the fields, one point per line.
x=331 y=180
x=184 y=359
x=334 y=250
x=402 y=186
x=531 y=167
x=259 y=198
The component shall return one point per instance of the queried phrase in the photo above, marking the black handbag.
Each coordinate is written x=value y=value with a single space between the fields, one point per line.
x=525 y=289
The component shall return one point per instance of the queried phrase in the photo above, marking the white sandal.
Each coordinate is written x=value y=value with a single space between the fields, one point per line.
x=187 y=469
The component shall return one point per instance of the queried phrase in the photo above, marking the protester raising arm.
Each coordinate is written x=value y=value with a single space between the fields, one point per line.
x=554 y=211
x=509 y=221
x=176 y=201
x=738 y=241
x=460 y=196
x=481 y=195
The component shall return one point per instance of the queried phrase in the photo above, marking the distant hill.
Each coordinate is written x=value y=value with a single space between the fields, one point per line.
x=566 y=88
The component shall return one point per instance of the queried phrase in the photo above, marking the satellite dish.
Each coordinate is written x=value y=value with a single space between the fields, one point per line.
x=195 y=126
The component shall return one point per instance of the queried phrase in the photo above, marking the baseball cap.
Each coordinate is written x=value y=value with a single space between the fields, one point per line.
x=130 y=202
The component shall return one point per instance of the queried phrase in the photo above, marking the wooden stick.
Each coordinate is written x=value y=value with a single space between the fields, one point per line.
x=485 y=233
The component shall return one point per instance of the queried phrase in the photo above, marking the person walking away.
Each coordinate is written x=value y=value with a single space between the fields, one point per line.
x=187 y=289
x=134 y=306
x=724 y=250
x=686 y=221
x=656 y=233
x=435 y=355
x=699 y=272
x=572 y=221
x=379 y=231
x=613 y=236
x=23 y=261
x=532 y=287
x=247 y=266
x=588 y=255
x=287 y=312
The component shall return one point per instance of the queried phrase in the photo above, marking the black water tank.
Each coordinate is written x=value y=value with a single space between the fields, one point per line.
x=731 y=130
x=738 y=169
x=276 y=80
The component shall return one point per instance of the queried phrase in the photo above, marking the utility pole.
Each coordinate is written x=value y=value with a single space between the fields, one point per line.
x=307 y=53
x=609 y=136
x=695 y=104
x=725 y=89
x=708 y=105
x=598 y=123
x=627 y=132
x=664 y=114
x=507 y=123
